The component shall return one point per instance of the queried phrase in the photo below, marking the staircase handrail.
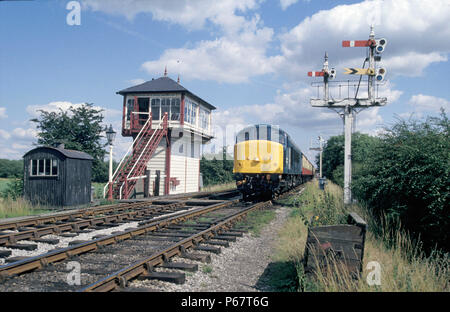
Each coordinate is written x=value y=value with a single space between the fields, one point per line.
x=164 y=122
x=138 y=137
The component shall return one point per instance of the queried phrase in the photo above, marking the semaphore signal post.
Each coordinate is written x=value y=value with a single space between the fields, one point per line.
x=350 y=106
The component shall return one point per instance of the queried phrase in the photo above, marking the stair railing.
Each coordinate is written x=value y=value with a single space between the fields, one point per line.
x=164 y=123
x=138 y=138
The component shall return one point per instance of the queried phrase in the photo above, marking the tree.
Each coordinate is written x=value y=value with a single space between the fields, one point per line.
x=333 y=156
x=406 y=177
x=11 y=168
x=79 y=128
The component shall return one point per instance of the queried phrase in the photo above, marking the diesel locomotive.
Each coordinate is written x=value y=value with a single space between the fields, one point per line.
x=267 y=162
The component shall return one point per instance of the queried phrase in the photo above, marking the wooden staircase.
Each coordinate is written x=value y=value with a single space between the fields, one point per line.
x=132 y=166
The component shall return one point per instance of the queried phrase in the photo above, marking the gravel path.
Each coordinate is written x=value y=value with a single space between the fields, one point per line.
x=236 y=269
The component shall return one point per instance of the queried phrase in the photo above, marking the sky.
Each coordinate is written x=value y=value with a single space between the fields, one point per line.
x=249 y=58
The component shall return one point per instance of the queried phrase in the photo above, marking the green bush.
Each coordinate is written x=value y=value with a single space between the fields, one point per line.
x=13 y=190
x=405 y=177
x=216 y=171
x=11 y=168
x=333 y=156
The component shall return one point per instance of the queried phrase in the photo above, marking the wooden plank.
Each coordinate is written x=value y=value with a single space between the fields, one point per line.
x=215 y=250
x=342 y=243
x=51 y=241
x=190 y=267
x=218 y=243
x=23 y=246
x=197 y=257
x=231 y=233
x=344 y=232
x=5 y=253
x=171 y=277
x=354 y=218
x=68 y=234
x=225 y=238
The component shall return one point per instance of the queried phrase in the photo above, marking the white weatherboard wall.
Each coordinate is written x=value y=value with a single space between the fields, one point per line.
x=158 y=162
x=183 y=167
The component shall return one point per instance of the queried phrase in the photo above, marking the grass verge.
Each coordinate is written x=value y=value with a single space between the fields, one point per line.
x=219 y=187
x=403 y=265
x=19 y=207
x=256 y=220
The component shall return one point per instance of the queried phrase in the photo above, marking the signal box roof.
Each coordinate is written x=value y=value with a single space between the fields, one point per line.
x=162 y=85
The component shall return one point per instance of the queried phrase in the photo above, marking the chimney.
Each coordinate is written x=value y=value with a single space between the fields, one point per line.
x=165 y=71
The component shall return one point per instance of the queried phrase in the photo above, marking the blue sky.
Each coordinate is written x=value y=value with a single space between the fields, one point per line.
x=249 y=58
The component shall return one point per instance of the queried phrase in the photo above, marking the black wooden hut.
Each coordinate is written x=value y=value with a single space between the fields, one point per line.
x=57 y=177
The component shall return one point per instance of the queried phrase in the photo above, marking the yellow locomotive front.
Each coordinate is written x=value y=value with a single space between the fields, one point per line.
x=267 y=162
x=258 y=157
x=258 y=160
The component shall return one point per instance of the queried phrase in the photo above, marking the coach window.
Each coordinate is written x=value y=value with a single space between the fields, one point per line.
x=247 y=136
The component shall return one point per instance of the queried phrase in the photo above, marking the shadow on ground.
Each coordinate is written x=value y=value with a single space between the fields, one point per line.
x=279 y=277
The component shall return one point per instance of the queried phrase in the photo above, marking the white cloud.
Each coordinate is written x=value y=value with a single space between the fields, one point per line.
x=412 y=64
x=5 y=134
x=238 y=53
x=423 y=104
x=415 y=39
x=3 y=112
x=17 y=146
x=287 y=3
x=243 y=48
x=19 y=140
x=21 y=133
x=136 y=81
x=33 y=110
x=231 y=60
x=191 y=14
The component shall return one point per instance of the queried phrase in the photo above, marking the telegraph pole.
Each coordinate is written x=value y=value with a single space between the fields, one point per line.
x=346 y=107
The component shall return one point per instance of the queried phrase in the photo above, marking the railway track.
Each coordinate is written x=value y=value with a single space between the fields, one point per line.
x=39 y=221
x=110 y=261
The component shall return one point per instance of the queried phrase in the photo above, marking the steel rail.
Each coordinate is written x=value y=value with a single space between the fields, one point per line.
x=52 y=218
x=84 y=212
x=12 y=238
x=121 y=277
x=43 y=260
